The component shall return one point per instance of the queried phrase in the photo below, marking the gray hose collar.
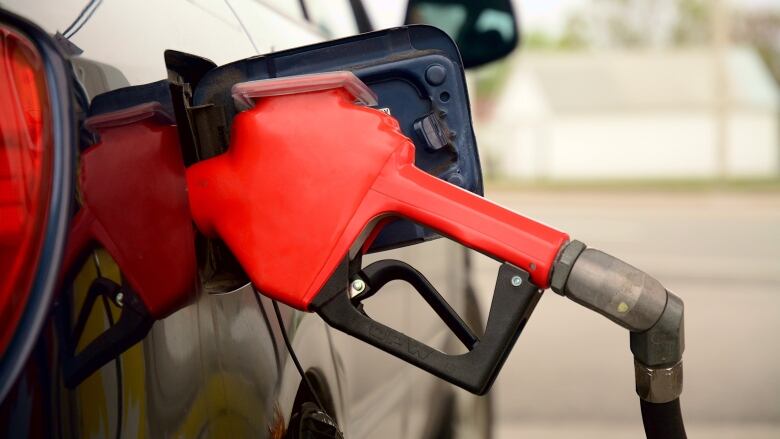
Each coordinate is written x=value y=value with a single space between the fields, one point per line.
x=563 y=265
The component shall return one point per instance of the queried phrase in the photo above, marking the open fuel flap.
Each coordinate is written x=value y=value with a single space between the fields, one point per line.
x=417 y=75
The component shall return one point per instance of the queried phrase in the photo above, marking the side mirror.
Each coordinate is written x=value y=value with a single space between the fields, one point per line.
x=484 y=31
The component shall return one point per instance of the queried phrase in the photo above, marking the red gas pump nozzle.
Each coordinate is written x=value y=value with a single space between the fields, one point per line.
x=304 y=182
x=309 y=174
x=134 y=205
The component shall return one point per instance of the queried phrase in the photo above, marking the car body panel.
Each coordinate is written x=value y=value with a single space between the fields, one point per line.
x=219 y=367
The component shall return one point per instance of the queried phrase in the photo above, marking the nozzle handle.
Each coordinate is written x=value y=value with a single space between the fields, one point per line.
x=471 y=220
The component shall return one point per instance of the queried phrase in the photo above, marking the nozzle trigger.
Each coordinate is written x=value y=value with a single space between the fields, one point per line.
x=475 y=370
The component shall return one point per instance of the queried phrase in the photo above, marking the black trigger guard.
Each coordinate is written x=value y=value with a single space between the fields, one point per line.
x=133 y=325
x=380 y=273
x=476 y=370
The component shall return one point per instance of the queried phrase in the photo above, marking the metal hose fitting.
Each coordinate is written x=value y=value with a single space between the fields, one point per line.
x=658 y=384
x=638 y=302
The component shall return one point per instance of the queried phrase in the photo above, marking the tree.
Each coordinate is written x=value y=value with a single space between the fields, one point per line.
x=761 y=29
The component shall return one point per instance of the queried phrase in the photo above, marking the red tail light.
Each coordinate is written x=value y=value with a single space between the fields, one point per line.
x=25 y=173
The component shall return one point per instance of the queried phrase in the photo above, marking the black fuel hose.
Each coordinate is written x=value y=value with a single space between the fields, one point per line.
x=663 y=420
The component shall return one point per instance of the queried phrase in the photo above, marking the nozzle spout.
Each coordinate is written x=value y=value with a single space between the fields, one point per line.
x=624 y=294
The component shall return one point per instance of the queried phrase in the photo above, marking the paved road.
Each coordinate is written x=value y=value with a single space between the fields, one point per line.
x=571 y=373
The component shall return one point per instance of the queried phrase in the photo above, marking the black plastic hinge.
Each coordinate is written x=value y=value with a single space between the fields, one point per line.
x=209 y=130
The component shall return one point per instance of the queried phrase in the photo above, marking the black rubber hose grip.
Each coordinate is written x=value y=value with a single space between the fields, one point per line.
x=663 y=421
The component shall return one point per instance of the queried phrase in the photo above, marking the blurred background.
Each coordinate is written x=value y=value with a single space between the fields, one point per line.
x=639 y=90
x=648 y=129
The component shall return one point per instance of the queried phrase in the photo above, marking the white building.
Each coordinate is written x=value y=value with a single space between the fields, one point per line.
x=632 y=115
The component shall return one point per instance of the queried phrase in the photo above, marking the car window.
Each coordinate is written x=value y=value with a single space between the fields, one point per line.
x=333 y=18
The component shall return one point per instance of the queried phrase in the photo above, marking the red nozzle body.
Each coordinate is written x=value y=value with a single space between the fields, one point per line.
x=306 y=176
x=135 y=206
